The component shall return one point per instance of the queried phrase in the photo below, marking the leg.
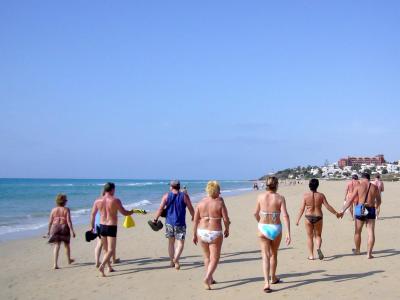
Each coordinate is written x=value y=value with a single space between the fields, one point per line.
x=97 y=252
x=108 y=244
x=56 y=251
x=378 y=211
x=115 y=260
x=178 y=251
x=171 y=250
x=215 y=253
x=318 y=238
x=68 y=252
x=206 y=251
x=351 y=212
x=274 y=258
x=357 y=235
x=266 y=254
x=310 y=238
x=371 y=237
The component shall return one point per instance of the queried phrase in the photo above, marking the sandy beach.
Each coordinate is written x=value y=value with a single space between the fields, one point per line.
x=144 y=273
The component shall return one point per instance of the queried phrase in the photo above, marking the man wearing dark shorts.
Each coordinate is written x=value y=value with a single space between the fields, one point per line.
x=108 y=206
x=369 y=199
x=175 y=204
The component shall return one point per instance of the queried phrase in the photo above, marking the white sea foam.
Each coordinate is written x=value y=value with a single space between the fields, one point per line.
x=21 y=227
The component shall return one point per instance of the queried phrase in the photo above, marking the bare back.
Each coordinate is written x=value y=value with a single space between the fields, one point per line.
x=59 y=215
x=313 y=203
x=373 y=193
x=351 y=187
x=270 y=207
x=211 y=212
x=108 y=207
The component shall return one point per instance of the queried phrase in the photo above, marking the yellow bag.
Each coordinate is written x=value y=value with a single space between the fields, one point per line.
x=129 y=222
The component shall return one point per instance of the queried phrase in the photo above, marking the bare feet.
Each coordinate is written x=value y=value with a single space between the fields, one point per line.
x=101 y=270
x=370 y=256
x=172 y=264
x=355 y=251
x=176 y=264
x=71 y=260
x=116 y=261
x=320 y=255
x=207 y=284
x=55 y=267
x=311 y=258
x=267 y=288
x=275 y=280
x=97 y=265
x=110 y=269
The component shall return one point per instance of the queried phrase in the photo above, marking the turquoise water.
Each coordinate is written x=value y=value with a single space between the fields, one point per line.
x=25 y=204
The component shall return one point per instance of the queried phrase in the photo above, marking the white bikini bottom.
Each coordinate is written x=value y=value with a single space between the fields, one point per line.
x=208 y=236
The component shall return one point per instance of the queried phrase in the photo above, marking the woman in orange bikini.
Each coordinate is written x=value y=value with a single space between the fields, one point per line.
x=312 y=203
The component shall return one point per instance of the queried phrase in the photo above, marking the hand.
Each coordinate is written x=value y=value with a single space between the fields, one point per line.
x=73 y=234
x=195 y=239
x=297 y=223
x=288 y=240
x=226 y=233
x=339 y=215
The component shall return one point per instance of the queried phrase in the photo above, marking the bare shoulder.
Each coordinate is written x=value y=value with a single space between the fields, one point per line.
x=261 y=196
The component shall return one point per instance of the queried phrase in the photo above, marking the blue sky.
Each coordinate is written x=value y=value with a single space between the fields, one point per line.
x=209 y=89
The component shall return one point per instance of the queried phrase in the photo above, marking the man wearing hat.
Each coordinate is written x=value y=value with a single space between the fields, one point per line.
x=175 y=203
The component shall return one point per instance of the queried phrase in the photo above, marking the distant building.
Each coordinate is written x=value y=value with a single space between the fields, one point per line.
x=358 y=161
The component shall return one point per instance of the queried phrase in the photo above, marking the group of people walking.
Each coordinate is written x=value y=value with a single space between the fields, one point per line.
x=211 y=223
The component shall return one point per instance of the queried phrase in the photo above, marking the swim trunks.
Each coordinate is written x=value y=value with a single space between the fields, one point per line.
x=107 y=230
x=177 y=232
x=370 y=216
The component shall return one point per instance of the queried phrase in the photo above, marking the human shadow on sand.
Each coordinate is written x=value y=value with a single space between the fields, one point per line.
x=239 y=282
x=329 y=278
x=388 y=218
x=376 y=254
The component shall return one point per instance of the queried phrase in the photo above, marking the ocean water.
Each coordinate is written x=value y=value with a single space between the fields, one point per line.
x=25 y=204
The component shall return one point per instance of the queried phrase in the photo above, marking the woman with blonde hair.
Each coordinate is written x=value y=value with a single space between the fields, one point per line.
x=270 y=206
x=208 y=229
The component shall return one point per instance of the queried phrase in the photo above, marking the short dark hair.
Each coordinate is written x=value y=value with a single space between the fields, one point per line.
x=366 y=175
x=313 y=184
x=108 y=187
x=378 y=175
x=354 y=176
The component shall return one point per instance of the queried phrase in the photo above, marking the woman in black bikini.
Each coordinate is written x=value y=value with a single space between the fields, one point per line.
x=312 y=203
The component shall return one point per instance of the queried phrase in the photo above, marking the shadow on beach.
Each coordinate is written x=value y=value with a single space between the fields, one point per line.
x=239 y=282
x=329 y=278
x=388 y=218
x=377 y=254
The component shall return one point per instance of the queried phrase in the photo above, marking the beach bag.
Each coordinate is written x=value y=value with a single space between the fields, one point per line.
x=129 y=222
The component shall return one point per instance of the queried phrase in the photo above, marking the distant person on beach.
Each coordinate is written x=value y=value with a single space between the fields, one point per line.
x=60 y=228
x=207 y=229
x=175 y=204
x=369 y=199
x=108 y=206
x=270 y=206
x=350 y=186
x=184 y=190
x=379 y=184
x=312 y=204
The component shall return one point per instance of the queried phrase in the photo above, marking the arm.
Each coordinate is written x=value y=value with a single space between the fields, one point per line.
x=122 y=210
x=162 y=205
x=196 y=220
x=189 y=205
x=346 y=192
x=382 y=187
x=225 y=217
x=286 y=220
x=257 y=211
x=378 y=199
x=301 y=211
x=328 y=207
x=93 y=215
x=349 y=201
x=50 y=223
x=71 y=228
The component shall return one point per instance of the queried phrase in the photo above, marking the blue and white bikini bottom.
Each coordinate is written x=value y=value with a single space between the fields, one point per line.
x=270 y=231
